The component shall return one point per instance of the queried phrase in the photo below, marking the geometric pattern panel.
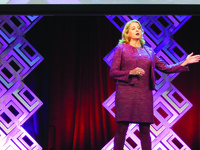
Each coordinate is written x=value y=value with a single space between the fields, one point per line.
x=169 y=103
x=17 y=102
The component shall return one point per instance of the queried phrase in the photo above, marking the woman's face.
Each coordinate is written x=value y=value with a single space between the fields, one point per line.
x=134 y=32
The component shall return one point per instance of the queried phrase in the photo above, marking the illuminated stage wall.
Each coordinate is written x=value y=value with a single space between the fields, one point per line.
x=17 y=102
x=169 y=104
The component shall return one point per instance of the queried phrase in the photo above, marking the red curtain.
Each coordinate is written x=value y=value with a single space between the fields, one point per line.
x=78 y=82
x=187 y=128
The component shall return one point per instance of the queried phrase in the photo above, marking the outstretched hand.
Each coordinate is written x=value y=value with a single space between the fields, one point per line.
x=191 y=59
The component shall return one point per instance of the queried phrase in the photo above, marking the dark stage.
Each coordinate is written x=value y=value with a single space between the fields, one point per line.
x=72 y=80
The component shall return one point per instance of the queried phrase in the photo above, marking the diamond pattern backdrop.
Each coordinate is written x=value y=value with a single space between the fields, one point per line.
x=17 y=102
x=169 y=104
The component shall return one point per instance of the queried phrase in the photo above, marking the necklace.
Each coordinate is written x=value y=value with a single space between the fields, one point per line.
x=139 y=50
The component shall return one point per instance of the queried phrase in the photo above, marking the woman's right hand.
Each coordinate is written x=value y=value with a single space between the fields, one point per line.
x=137 y=71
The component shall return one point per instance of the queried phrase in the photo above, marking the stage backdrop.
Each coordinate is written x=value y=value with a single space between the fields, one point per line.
x=73 y=82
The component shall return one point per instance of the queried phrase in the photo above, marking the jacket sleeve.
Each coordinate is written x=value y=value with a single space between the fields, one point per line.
x=175 y=68
x=115 y=70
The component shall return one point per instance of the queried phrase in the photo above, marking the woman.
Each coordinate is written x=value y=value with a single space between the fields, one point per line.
x=133 y=68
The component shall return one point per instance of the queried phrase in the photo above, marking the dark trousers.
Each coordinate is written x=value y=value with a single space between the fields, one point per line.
x=122 y=128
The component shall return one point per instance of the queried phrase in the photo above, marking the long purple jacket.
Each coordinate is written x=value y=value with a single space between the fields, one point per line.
x=120 y=72
x=134 y=100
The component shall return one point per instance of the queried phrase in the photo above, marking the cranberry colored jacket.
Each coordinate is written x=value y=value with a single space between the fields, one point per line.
x=120 y=71
x=134 y=100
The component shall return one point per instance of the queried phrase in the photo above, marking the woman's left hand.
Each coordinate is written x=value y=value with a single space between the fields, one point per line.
x=191 y=59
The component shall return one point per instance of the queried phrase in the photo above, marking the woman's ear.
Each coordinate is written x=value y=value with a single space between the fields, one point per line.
x=126 y=35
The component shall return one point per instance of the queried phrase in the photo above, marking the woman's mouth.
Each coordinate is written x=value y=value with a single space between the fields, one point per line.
x=137 y=34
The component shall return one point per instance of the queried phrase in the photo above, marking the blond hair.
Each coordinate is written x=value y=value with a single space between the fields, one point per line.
x=125 y=38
